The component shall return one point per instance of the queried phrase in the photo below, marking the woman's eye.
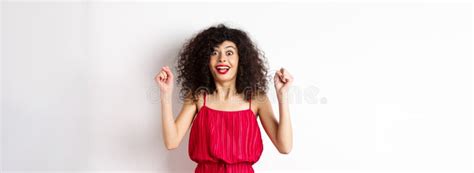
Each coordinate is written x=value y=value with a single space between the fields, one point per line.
x=230 y=53
x=214 y=53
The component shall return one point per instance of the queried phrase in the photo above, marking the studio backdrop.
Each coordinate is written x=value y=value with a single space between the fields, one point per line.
x=379 y=87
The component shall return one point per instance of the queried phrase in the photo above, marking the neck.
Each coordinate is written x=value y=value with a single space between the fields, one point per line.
x=225 y=90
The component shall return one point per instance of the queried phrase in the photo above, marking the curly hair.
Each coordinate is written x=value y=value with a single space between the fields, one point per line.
x=193 y=70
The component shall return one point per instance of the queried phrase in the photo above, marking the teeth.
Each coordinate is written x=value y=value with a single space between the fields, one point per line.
x=222 y=67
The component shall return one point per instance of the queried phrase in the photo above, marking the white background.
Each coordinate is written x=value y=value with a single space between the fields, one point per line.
x=379 y=87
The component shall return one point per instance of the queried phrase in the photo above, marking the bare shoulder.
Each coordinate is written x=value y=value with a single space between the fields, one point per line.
x=189 y=103
x=259 y=102
x=199 y=102
x=259 y=99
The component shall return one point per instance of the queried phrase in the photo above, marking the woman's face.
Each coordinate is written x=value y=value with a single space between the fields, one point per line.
x=224 y=62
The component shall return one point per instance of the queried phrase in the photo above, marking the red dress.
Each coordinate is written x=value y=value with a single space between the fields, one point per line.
x=225 y=141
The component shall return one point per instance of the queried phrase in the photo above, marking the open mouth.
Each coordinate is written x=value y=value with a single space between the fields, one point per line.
x=222 y=69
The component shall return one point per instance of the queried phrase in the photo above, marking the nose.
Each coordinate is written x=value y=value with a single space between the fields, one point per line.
x=221 y=58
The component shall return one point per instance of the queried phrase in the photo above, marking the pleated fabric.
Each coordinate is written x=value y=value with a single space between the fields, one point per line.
x=225 y=141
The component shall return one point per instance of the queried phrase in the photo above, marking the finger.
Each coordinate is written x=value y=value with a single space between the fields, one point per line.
x=279 y=78
x=168 y=71
x=157 y=77
x=165 y=76
x=161 y=76
x=286 y=75
x=282 y=79
x=287 y=79
x=282 y=73
x=279 y=74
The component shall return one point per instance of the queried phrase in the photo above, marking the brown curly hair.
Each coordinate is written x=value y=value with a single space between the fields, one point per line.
x=193 y=70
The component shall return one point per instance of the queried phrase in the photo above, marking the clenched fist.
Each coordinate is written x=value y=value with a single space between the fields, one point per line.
x=282 y=81
x=165 y=80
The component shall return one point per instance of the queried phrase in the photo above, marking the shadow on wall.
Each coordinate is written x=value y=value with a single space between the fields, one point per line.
x=144 y=145
x=176 y=160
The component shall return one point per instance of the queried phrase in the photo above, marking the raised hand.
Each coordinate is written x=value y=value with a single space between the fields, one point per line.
x=282 y=81
x=165 y=80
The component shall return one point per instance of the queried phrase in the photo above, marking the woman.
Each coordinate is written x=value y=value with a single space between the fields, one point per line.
x=224 y=83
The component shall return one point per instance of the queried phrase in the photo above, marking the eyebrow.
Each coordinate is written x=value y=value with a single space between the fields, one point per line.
x=230 y=46
x=226 y=47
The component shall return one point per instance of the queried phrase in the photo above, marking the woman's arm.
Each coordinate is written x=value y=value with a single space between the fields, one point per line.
x=280 y=133
x=173 y=130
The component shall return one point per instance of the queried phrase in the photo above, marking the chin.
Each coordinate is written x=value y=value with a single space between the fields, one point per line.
x=223 y=78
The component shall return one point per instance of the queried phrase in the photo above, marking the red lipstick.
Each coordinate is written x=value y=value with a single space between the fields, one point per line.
x=222 y=69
